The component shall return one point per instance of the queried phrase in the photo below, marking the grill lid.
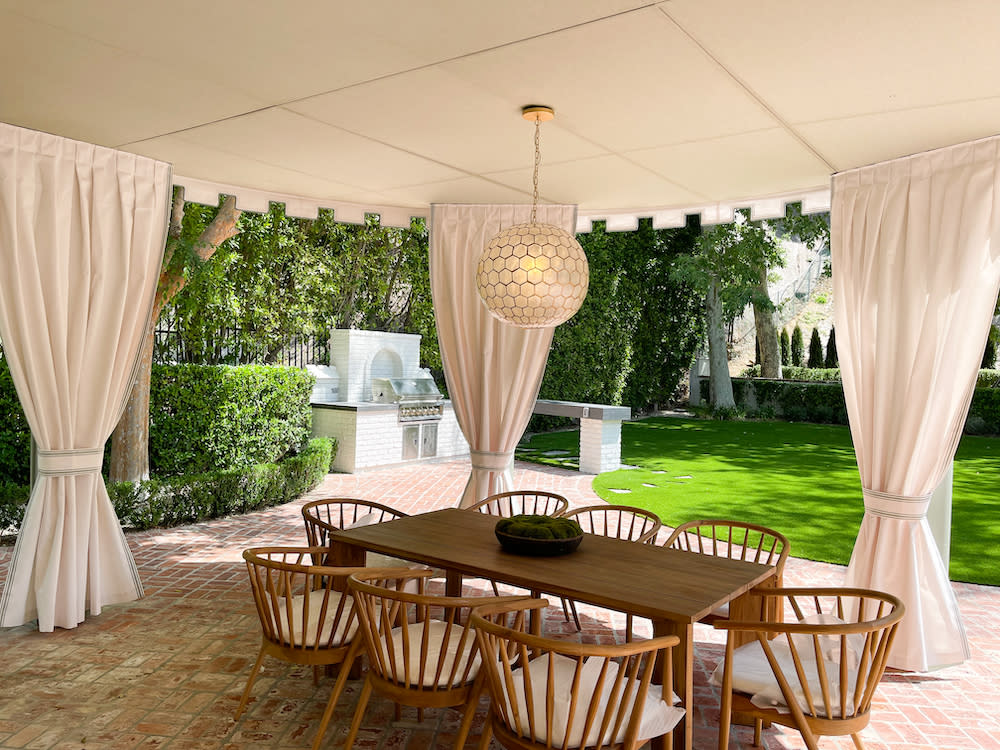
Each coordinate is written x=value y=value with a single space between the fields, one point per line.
x=405 y=390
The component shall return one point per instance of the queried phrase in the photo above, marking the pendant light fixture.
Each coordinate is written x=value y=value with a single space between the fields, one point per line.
x=533 y=275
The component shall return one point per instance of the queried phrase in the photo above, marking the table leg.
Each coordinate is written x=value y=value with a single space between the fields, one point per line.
x=683 y=681
x=452 y=583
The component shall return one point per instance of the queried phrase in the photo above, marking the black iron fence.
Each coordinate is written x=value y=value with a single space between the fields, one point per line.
x=232 y=346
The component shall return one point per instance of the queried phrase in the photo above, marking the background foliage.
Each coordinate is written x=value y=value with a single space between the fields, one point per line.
x=281 y=277
x=635 y=336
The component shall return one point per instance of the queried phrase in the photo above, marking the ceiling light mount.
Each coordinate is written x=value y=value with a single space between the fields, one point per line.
x=537 y=113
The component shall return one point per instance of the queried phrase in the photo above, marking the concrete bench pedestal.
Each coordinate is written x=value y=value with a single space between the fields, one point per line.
x=600 y=431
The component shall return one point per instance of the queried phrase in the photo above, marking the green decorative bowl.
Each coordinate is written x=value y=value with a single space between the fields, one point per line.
x=540 y=536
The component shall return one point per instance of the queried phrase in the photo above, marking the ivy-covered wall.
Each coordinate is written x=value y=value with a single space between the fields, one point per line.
x=635 y=336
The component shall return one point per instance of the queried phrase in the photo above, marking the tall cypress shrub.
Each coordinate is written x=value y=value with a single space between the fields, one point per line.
x=990 y=352
x=798 y=347
x=785 y=346
x=831 y=350
x=815 y=350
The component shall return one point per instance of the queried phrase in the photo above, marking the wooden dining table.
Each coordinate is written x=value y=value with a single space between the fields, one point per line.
x=673 y=588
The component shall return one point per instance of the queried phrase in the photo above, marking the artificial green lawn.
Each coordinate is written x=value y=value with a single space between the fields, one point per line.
x=801 y=479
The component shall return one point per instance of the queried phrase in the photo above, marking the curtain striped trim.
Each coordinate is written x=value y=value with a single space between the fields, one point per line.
x=903 y=507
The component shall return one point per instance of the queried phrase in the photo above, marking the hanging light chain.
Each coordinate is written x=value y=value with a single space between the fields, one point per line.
x=538 y=160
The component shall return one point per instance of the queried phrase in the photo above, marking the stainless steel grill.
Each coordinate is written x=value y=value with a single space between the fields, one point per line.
x=417 y=398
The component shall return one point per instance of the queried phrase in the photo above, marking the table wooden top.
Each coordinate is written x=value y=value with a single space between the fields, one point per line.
x=645 y=580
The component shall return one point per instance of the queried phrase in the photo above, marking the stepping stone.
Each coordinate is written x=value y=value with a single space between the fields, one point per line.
x=659 y=471
x=555 y=453
x=621 y=492
x=647 y=484
x=629 y=466
x=686 y=476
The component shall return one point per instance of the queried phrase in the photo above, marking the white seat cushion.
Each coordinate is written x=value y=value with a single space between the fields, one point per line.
x=318 y=631
x=658 y=717
x=435 y=642
x=752 y=673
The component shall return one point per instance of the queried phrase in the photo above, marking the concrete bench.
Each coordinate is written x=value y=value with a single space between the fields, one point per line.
x=600 y=431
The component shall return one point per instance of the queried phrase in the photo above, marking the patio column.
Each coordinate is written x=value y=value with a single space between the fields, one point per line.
x=493 y=369
x=82 y=231
x=916 y=268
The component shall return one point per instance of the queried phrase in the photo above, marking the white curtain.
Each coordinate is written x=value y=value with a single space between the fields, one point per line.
x=82 y=231
x=493 y=369
x=916 y=267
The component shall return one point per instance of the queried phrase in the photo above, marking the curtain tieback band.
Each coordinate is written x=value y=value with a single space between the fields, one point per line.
x=69 y=462
x=887 y=505
x=491 y=460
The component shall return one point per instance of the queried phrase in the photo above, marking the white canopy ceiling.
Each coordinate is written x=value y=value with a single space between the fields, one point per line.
x=387 y=106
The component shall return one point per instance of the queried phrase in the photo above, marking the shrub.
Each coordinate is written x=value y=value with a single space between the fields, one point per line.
x=798 y=347
x=15 y=435
x=198 y=497
x=831 y=361
x=785 y=344
x=206 y=418
x=990 y=352
x=815 y=350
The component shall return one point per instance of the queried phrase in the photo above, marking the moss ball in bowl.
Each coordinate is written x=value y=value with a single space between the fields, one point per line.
x=540 y=536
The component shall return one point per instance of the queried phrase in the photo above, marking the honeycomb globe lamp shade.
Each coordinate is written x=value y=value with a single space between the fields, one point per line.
x=533 y=275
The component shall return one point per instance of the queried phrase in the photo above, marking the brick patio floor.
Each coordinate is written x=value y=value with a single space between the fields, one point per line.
x=167 y=671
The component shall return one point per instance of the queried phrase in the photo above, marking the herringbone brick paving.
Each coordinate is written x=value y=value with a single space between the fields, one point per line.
x=167 y=671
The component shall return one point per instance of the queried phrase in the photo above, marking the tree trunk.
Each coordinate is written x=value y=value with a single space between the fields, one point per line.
x=130 y=439
x=767 y=334
x=720 y=384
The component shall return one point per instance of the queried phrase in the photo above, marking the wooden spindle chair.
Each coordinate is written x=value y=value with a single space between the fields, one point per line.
x=306 y=616
x=736 y=540
x=618 y=521
x=819 y=670
x=421 y=648
x=547 y=693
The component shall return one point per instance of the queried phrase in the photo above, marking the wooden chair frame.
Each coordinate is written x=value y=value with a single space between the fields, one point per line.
x=533 y=502
x=618 y=521
x=337 y=513
x=289 y=591
x=860 y=645
x=504 y=649
x=737 y=540
x=517 y=502
x=398 y=628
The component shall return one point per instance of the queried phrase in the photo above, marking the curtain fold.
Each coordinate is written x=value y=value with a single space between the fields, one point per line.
x=493 y=369
x=916 y=267
x=82 y=233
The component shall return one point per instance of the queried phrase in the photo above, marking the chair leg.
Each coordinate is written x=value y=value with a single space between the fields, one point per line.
x=496 y=591
x=857 y=741
x=469 y=714
x=338 y=688
x=315 y=675
x=359 y=712
x=565 y=606
x=250 y=680
x=576 y=617
x=487 y=735
x=628 y=628
x=758 y=725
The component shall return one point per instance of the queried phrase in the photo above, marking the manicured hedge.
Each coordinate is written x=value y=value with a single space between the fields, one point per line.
x=207 y=418
x=198 y=497
x=823 y=402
